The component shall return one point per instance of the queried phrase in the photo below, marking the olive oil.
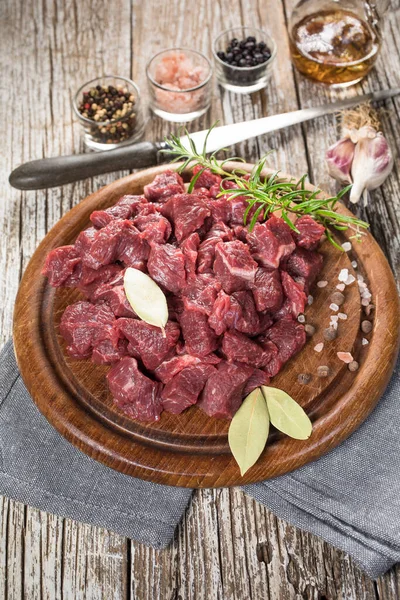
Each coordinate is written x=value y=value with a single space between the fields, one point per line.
x=334 y=47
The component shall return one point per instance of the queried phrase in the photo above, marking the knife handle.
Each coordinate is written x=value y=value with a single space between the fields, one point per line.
x=52 y=172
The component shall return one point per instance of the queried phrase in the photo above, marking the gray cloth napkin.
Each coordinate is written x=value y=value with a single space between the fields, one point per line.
x=350 y=497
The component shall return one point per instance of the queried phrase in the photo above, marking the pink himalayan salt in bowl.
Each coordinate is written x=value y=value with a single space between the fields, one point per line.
x=180 y=84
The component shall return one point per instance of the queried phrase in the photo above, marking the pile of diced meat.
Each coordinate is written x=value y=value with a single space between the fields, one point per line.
x=233 y=296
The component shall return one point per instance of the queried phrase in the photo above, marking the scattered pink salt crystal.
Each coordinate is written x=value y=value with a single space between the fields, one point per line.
x=340 y=286
x=322 y=284
x=364 y=342
x=350 y=279
x=343 y=275
x=319 y=347
x=342 y=316
x=334 y=306
x=346 y=357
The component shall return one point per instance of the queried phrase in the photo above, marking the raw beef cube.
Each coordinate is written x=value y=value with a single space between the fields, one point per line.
x=234 y=266
x=169 y=368
x=101 y=218
x=305 y=264
x=106 y=353
x=225 y=313
x=238 y=312
x=310 y=232
x=84 y=241
x=283 y=234
x=264 y=246
x=164 y=185
x=199 y=338
x=155 y=228
x=221 y=210
x=134 y=393
x=256 y=380
x=238 y=347
x=116 y=241
x=240 y=233
x=267 y=290
x=239 y=205
x=294 y=294
x=289 y=337
x=135 y=203
x=91 y=278
x=223 y=392
x=218 y=232
x=175 y=306
x=189 y=248
x=206 y=179
x=201 y=294
x=166 y=265
x=201 y=191
x=148 y=341
x=132 y=248
x=187 y=212
x=116 y=299
x=247 y=320
x=84 y=325
x=60 y=264
x=184 y=389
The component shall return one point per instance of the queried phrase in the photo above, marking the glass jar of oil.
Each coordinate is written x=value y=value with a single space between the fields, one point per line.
x=335 y=42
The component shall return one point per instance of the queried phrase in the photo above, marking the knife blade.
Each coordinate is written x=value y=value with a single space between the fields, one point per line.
x=227 y=135
x=53 y=172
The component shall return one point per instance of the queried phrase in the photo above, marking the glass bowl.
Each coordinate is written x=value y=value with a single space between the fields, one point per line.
x=243 y=80
x=114 y=131
x=179 y=82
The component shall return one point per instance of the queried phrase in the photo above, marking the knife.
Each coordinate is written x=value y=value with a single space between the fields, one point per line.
x=52 y=172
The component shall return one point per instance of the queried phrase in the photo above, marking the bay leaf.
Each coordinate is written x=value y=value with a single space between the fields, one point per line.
x=146 y=298
x=286 y=414
x=248 y=431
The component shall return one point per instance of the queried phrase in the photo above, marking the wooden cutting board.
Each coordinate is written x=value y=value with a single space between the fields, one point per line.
x=191 y=449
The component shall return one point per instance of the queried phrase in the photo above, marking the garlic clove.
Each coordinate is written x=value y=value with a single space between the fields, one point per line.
x=339 y=158
x=372 y=163
x=364 y=132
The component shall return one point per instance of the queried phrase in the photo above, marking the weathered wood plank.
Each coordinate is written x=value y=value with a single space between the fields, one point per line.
x=227 y=546
x=94 y=563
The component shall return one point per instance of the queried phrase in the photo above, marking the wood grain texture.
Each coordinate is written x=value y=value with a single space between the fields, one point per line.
x=191 y=449
x=47 y=49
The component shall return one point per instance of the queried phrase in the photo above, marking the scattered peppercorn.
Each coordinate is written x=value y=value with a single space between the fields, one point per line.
x=337 y=298
x=245 y=53
x=353 y=366
x=330 y=334
x=111 y=109
x=309 y=329
x=366 y=326
x=304 y=378
x=323 y=371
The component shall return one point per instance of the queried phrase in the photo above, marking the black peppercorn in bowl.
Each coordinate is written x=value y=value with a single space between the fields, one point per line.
x=109 y=111
x=243 y=58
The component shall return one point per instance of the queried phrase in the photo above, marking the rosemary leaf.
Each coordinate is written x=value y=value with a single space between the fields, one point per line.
x=268 y=195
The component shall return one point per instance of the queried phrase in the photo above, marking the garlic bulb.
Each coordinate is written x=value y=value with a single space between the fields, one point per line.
x=339 y=159
x=362 y=157
x=372 y=163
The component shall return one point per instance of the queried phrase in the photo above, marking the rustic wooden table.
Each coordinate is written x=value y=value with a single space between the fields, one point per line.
x=227 y=546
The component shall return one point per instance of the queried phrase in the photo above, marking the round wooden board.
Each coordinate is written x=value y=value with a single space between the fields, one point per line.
x=191 y=449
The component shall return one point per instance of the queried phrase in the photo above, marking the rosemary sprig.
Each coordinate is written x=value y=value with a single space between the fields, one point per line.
x=267 y=195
